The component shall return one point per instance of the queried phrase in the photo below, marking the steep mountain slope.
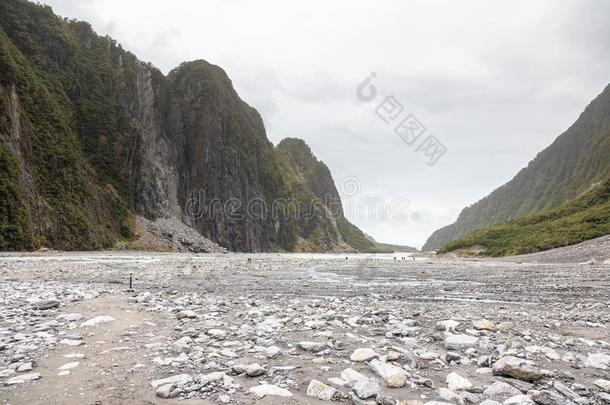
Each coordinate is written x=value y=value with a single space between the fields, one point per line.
x=315 y=176
x=90 y=136
x=584 y=218
x=579 y=158
x=50 y=193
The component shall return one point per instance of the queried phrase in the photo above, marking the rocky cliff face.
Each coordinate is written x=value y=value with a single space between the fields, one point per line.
x=90 y=136
x=578 y=159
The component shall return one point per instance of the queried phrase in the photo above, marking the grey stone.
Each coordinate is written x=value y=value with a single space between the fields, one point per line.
x=22 y=378
x=322 y=391
x=186 y=314
x=394 y=377
x=271 y=352
x=25 y=367
x=460 y=342
x=367 y=388
x=261 y=391
x=179 y=379
x=519 y=400
x=501 y=389
x=546 y=397
x=254 y=370
x=363 y=354
x=603 y=384
x=164 y=391
x=456 y=382
x=98 y=320
x=312 y=346
x=515 y=367
x=48 y=304
x=604 y=398
x=600 y=361
x=448 y=395
x=351 y=376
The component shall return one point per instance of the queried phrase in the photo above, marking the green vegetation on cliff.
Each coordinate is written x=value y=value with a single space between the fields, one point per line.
x=584 y=218
x=315 y=182
x=13 y=221
x=577 y=159
x=56 y=197
x=317 y=185
x=90 y=136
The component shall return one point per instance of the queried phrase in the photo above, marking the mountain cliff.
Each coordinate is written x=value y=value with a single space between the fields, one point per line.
x=90 y=137
x=570 y=166
x=586 y=217
x=315 y=177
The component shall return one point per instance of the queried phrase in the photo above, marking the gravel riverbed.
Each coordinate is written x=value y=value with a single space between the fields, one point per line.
x=301 y=329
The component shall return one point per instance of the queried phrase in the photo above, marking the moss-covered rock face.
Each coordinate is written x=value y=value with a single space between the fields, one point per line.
x=90 y=135
x=53 y=195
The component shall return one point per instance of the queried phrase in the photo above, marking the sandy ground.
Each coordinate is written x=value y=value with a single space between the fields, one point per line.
x=263 y=300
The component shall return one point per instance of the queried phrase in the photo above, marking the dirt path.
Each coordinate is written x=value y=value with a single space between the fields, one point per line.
x=114 y=370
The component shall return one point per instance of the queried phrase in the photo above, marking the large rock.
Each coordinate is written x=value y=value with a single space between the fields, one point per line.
x=546 y=397
x=22 y=378
x=6 y=372
x=604 y=398
x=484 y=324
x=70 y=317
x=48 y=304
x=456 y=382
x=179 y=379
x=550 y=353
x=519 y=400
x=603 y=384
x=323 y=392
x=214 y=377
x=600 y=361
x=394 y=377
x=261 y=391
x=98 y=320
x=490 y=402
x=254 y=370
x=500 y=389
x=351 y=376
x=448 y=395
x=567 y=391
x=69 y=366
x=438 y=403
x=312 y=346
x=72 y=342
x=449 y=325
x=271 y=352
x=187 y=313
x=165 y=391
x=366 y=388
x=510 y=366
x=363 y=354
x=460 y=342
x=219 y=334
x=27 y=366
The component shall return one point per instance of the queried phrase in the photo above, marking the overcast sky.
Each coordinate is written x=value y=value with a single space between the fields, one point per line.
x=494 y=81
